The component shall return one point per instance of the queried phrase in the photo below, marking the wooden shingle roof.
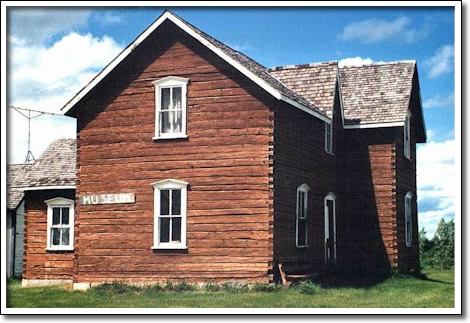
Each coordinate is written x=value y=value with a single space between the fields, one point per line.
x=315 y=82
x=15 y=173
x=376 y=93
x=56 y=167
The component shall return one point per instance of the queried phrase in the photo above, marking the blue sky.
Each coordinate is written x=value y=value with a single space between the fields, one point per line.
x=54 y=52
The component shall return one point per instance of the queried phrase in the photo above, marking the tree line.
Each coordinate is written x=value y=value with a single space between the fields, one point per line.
x=438 y=252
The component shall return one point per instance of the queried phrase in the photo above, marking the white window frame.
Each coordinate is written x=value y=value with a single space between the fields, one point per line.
x=164 y=185
x=60 y=202
x=302 y=188
x=330 y=197
x=409 y=214
x=170 y=82
x=329 y=139
x=407 y=141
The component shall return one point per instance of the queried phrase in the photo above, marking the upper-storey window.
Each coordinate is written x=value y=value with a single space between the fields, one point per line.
x=407 y=142
x=60 y=224
x=170 y=101
x=328 y=138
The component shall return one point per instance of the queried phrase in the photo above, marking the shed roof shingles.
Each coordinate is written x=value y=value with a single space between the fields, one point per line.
x=376 y=93
x=55 y=167
x=15 y=173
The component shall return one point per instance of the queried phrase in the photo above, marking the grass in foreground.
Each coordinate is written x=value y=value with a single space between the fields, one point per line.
x=397 y=291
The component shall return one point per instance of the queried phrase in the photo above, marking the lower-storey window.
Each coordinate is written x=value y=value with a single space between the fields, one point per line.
x=170 y=199
x=408 y=226
x=60 y=224
x=301 y=210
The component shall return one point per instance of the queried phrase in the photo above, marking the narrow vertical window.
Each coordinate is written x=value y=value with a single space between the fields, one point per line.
x=328 y=138
x=170 y=116
x=170 y=199
x=60 y=222
x=408 y=222
x=407 y=143
x=302 y=215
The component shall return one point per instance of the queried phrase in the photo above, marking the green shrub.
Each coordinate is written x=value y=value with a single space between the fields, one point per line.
x=116 y=288
x=267 y=288
x=154 y=288
x=212 y=287
x=307 y=287
x=179 y=287
x=235 y=287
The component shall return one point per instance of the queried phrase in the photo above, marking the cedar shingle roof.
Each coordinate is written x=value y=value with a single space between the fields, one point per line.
x=55 y=167
x=376 y=93
x=15 y=173
x=315 y=82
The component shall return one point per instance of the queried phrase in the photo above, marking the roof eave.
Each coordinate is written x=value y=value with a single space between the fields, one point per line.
x=67 y=108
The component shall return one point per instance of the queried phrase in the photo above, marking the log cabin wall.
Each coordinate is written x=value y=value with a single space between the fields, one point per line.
x=37 y=262
x=300 y=158
x=225 y=160
x=367 y=182
x=408 y=256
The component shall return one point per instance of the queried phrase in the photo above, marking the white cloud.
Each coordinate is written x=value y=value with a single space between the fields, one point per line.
x=378 y=30
x=109 y=19
x=441 y=63
x=45 y=78
x=436 y=182
x=35 y=25
x=440 y=101
x=355 y=61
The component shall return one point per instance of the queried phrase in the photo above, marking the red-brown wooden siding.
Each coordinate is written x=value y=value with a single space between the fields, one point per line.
x=226 y=161
x=300 y=158
x=37 y=262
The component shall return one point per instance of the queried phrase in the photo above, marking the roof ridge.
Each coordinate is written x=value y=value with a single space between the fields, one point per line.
x=405 y=61
x=294 y=66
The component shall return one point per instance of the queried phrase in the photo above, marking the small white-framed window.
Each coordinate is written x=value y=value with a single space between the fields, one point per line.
x=302 y=216
x=60 y=224
x=170 y=107
x=170 y=207
x=329 y=138
x=408 y=221
x=406 y=136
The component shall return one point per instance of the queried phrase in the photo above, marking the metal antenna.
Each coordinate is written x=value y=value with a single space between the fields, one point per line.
x=29 y=155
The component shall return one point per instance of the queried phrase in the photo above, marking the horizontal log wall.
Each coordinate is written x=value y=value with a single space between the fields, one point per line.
x=408 y=257
x=225 y=160
x=367 y=181
x=37 y=262
x=300 y=157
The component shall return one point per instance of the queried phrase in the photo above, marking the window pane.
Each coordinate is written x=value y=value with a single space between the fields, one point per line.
x=164 y=202
x=176 y=229
x=165 y=123
x=165 y=99
x=305 y=205
x=176 y=98
x=177 y=121
x=302 y=227
x=55 y=237
x=176 y=202
x=164 y=229
x=65 y=236
x=65 y=215
x=55 y=215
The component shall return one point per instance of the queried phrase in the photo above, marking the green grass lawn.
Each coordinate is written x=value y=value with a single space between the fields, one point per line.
x=397 y=291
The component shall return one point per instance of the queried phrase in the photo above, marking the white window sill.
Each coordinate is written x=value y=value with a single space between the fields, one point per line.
x=329 y=153
x=172 y=137
x=302 y=246
x=176 y=247
x=60 y=249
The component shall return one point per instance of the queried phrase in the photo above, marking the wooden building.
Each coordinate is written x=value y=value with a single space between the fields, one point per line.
x=195 y=162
